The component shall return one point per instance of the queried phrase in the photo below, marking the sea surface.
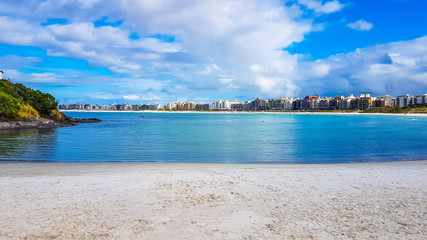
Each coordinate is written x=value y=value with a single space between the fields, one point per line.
x=222 y=138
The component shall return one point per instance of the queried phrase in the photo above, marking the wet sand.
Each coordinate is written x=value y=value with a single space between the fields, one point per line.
x=213 y=201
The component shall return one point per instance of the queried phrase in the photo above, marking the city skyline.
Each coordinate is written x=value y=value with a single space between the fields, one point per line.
x=164 y=51
x=312 y=103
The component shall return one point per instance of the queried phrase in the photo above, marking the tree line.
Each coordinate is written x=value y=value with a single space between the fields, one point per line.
x=18 y=102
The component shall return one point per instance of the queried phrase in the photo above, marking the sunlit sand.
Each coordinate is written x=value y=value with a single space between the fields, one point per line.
x=213 y=201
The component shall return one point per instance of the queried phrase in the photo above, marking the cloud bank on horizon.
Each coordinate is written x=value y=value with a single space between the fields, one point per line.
x=105 y=51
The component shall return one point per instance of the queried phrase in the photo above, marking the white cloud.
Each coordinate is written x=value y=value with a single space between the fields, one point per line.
x=319 y=7
x=38 y=78
x=231 y=35
x=221 y=46
x=361 y=25
x=213 y=38
x=201 y=99
x=131 y=97
x=404 y=60
x=102 y=46
x=393 y=68
x=321 y=69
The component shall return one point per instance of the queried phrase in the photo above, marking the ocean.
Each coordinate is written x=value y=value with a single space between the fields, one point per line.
x=222 y=138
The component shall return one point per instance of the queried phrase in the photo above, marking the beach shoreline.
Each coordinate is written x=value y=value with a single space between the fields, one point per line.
x=266 y=112
x=214 y=201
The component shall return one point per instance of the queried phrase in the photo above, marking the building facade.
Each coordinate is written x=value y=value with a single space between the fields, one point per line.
x=404 y=100
x=202 y=107
x=258 y=105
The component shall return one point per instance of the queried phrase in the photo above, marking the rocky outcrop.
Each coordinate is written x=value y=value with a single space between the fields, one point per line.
x=71 y=120
x=45 y=123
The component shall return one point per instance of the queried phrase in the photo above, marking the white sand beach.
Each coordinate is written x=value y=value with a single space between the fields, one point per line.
x=213 y=201
x=266 y=112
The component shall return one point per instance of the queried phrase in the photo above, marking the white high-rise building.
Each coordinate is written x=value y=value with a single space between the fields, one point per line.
x=404 y=100
x=287 y=104
x=222 y=105
x=172 y=105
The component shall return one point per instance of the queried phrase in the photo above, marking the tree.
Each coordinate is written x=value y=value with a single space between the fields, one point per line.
x=9 y=106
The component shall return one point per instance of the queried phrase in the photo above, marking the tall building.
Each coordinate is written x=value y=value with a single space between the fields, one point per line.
x=223 y=105
x=296 y=104
x=171 y=106
x=347 y=103
x=237 y=107
x=280 y=104
x=384 y=101
x=123 y=107
x=404 y=100
x=136 y=107
x=275 y=104
x=310 y=102
x=155 y=106
x=324 y=104
x=287 y=104
x=186 y=106
x=364 y=102
x=420 y=99
x=334 y=103
x=258 y=105
x=202 y=107
x=313 y=104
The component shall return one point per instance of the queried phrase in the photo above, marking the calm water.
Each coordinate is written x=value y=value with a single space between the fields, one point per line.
x=235 y=138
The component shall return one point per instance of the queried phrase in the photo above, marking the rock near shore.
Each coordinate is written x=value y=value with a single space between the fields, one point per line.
x=45 y=123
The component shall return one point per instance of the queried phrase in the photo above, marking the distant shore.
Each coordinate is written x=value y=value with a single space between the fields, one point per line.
x=265 y=112
x=213 y=201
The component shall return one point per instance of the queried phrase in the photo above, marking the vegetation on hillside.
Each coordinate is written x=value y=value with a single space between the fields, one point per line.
x=417 y=108
x=18 y=102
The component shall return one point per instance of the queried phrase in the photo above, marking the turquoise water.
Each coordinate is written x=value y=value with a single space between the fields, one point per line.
x=224 y=138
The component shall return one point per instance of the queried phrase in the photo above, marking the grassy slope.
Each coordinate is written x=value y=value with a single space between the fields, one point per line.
x=18 y=102
x=418 y=108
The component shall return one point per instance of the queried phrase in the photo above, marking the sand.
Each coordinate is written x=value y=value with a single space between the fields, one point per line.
x=213 y=201
x=355 y=113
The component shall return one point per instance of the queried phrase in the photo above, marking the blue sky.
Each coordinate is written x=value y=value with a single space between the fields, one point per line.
x=105 y=51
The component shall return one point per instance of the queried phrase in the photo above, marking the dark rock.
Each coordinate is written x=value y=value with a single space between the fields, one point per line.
x=46 y=123
x=81 y=120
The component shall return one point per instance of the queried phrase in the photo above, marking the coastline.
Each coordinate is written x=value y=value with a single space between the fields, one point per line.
x=215 y=201
x=36 y=123
x=245 y=112
x=41 y=123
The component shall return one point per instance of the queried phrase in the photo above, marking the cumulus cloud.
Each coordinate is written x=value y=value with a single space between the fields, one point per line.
x=193 y=48
x=319 y=7
x=393 y=68
x=361 y=25
x=211 y=39
x=231 y=35
x=104 y=46
x=131 y=97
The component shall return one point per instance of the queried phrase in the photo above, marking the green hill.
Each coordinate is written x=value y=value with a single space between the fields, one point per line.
x=18 y=102
x=417 y=108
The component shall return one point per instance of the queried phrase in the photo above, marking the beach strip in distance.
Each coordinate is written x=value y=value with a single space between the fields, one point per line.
x=246 y=112
x=214 y=201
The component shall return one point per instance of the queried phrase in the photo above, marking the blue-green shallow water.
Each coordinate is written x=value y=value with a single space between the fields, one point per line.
x=222 y=138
